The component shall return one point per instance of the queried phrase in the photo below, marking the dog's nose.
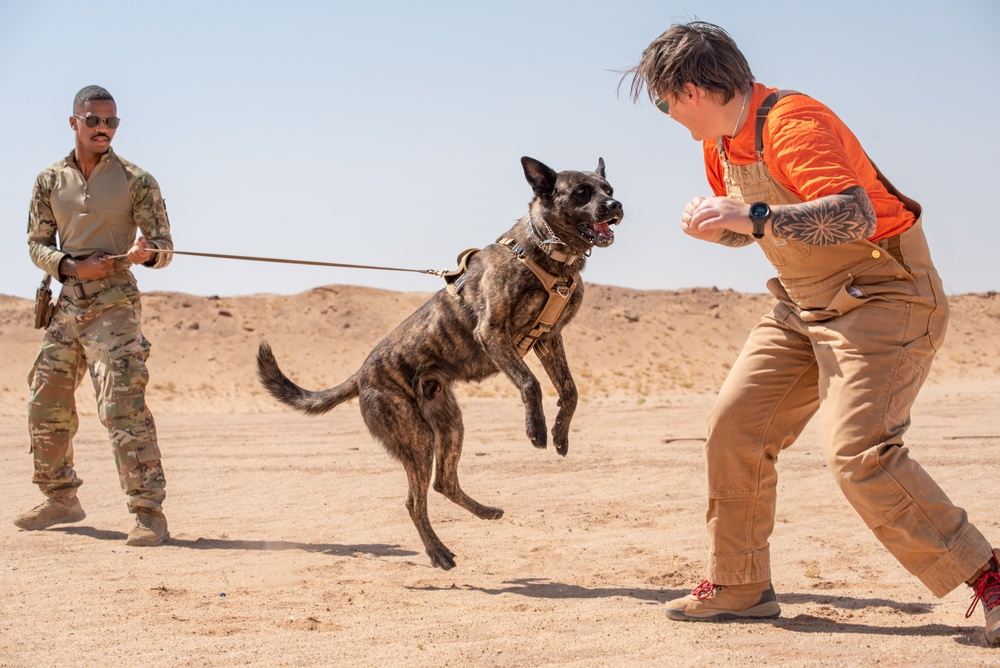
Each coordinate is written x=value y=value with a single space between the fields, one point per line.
x=611 y=207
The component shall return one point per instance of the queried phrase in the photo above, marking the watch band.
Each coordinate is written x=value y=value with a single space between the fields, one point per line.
x=760 y=212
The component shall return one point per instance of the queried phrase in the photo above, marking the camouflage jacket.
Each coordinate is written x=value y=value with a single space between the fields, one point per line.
x=101 y=213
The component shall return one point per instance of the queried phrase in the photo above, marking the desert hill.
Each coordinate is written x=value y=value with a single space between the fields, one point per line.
x=624 y=343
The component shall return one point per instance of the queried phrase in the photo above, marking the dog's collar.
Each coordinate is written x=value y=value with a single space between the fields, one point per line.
x=548 y=245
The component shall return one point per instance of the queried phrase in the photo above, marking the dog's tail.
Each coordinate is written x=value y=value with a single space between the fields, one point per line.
x=287 y=392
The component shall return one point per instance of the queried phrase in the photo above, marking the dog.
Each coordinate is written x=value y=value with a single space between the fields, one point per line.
x=511 y=297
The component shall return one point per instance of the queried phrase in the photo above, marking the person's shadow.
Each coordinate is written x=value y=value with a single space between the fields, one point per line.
x=334 y=549
x=543 y=588
x=801 y=623
x=548 y=589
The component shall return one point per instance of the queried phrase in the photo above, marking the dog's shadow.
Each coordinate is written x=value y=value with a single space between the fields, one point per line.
x=333 y=549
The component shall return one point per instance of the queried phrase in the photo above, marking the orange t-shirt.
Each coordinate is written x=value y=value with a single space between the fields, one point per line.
x=810 y=151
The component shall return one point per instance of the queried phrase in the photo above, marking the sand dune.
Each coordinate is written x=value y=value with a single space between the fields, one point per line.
x=624 y=342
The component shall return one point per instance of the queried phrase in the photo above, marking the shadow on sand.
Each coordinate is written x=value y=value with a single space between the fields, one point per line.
x=377 y=550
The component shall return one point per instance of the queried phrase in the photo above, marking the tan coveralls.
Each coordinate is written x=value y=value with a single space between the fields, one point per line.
x=854 y=331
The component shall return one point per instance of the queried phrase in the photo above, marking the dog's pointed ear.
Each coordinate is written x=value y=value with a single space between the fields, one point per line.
x=600 y=168
x=541 y=177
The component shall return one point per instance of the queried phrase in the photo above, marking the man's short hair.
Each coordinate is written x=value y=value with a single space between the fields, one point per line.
x=697 y=52
x=88 y=93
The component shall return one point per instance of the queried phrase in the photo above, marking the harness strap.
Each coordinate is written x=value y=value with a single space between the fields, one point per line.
x=456 y=277
x=560 y=289
x=560 y=256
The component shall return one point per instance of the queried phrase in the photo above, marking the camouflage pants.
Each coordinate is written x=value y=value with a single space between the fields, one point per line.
x=101 y=333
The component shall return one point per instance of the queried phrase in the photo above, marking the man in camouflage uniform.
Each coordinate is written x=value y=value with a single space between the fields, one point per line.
x=94 y=201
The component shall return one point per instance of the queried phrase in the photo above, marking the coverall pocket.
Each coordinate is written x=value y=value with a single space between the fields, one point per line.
x=781 y=252
x=910 y=375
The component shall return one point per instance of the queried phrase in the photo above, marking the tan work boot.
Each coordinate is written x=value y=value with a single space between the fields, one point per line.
x=987 y=590
x=710 y=601
x=150 y=528
x=52 y=511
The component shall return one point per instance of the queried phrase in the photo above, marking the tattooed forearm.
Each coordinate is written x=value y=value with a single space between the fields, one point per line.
x=827 y=221
x=735 y=239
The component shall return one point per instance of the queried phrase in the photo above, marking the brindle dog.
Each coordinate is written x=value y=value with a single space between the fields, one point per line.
x=404 y=388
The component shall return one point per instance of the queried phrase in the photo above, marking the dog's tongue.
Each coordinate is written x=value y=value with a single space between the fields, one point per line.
x=603 y=229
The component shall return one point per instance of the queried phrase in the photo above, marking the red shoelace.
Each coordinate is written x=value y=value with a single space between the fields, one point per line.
x=703 y=590
x=987 y=590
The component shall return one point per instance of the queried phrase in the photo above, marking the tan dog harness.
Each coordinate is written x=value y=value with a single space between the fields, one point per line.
x=560 y=290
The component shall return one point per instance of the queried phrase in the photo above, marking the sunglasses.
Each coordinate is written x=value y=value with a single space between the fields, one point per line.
x=662 y=105
x=93 y=121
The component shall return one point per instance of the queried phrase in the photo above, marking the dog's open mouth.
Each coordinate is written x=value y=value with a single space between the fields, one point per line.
x=599 y=234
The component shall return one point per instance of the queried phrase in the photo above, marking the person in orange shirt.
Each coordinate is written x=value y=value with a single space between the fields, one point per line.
x=859 y=314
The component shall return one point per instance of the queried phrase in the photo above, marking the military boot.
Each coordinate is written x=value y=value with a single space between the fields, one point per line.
x=62 y=510
x=150 y=528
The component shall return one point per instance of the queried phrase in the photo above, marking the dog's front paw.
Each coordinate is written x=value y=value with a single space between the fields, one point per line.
x=560 y=435
x=536 y=432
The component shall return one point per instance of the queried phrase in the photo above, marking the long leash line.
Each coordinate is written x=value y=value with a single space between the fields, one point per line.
x=433 y=272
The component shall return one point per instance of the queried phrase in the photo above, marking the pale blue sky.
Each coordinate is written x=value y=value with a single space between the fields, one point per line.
x=390 y=133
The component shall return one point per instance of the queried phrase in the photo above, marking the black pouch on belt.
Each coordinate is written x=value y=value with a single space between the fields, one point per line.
x=44 y=308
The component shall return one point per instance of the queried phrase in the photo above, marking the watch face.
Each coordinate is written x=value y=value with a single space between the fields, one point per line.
x=760 y=210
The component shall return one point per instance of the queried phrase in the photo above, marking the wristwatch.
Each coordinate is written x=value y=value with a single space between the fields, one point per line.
x=759 y=213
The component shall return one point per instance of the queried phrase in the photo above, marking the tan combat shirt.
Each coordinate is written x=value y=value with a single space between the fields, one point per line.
x=99 y=214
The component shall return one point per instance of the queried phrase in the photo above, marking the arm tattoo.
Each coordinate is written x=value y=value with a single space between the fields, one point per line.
x=735 y=239
x=827 y=221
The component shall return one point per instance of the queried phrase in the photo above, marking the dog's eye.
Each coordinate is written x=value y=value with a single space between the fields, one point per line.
x=582 y=194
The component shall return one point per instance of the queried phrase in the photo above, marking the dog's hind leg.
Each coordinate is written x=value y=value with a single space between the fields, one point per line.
x=440 y=408
x=395 y=420
x=418 y=474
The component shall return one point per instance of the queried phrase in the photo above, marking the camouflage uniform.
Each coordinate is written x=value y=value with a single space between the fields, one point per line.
x=97 y=324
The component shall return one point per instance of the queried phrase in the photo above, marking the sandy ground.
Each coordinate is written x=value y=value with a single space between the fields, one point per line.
x=290 y=544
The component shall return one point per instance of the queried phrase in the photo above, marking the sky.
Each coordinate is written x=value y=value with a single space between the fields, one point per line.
x=390 y=133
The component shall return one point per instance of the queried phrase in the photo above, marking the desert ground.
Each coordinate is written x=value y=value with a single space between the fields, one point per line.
x=290 y=544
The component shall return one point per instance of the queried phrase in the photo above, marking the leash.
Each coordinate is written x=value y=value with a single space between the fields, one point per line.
x=433 y=272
